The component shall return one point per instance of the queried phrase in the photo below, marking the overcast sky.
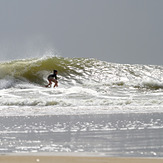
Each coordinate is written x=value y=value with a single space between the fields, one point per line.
x=121 y=31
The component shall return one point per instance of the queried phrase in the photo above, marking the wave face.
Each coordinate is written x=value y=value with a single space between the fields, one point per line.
x=82 y=82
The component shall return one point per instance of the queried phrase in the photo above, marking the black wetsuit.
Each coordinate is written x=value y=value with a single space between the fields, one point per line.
x=52 y=76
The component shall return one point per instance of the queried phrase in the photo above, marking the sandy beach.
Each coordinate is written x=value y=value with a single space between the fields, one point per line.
x=75 y=159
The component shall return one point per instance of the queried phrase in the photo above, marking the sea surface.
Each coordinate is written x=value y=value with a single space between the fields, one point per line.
x=98 y=107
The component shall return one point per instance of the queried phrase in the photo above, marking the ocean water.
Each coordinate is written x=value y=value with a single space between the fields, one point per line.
x=99 y=108
x=86 y=86
x=122 y=135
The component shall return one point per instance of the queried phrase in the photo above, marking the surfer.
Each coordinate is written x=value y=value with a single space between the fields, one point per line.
x=53 y=78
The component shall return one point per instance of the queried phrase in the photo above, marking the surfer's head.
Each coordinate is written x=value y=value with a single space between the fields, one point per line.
x=55 y=71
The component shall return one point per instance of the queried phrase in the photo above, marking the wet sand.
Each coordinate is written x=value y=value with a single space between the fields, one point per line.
x=75 y=159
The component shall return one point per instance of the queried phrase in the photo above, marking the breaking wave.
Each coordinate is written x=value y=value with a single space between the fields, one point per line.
x=80 y=71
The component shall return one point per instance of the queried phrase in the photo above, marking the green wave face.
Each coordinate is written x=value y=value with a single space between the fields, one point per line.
x=36 y=70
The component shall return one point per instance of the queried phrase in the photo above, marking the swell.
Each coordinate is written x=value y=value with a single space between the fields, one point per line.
x=82 y=71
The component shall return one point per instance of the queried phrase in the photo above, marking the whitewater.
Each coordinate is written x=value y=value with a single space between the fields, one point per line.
x=86 y=86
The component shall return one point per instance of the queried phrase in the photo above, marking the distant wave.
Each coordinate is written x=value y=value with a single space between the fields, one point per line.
x=80 y=71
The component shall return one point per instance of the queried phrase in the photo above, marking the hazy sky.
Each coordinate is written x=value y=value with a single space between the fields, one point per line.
x=121 y=31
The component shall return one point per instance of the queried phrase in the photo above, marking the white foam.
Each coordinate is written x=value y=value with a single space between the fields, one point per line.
x=6 y=83
x=83 y=95
x=80 y=110
x=153 y=84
